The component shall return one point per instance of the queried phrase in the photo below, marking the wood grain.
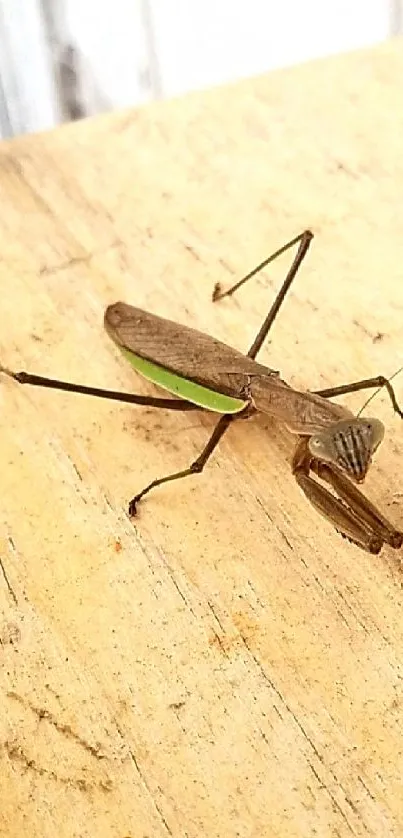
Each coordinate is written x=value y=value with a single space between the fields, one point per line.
x=226 y=665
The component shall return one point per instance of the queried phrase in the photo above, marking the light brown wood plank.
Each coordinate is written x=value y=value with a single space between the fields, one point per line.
x=226 y=665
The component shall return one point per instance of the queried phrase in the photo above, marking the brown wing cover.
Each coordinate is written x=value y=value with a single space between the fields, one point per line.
x=183 y=350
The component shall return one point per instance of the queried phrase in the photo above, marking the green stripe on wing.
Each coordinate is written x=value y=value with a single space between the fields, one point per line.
x=182 y=387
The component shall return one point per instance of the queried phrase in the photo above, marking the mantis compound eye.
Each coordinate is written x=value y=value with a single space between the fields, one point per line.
x=349 y=444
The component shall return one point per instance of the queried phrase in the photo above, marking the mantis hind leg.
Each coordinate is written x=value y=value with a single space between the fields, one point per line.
x=195 y=468
x=303 y=239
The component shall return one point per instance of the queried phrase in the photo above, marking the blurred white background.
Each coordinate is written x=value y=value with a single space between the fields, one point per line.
x=64 y=59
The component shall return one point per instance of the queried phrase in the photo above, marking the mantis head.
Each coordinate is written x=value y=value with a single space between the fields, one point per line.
x=349 y=445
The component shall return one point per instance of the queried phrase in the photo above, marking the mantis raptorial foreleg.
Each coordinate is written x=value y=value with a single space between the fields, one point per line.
x=350 y=512
x=342 y=518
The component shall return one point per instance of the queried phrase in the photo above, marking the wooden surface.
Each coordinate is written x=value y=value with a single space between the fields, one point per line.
x=227 y=665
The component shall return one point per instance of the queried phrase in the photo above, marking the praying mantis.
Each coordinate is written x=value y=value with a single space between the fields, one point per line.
x=333 y=446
